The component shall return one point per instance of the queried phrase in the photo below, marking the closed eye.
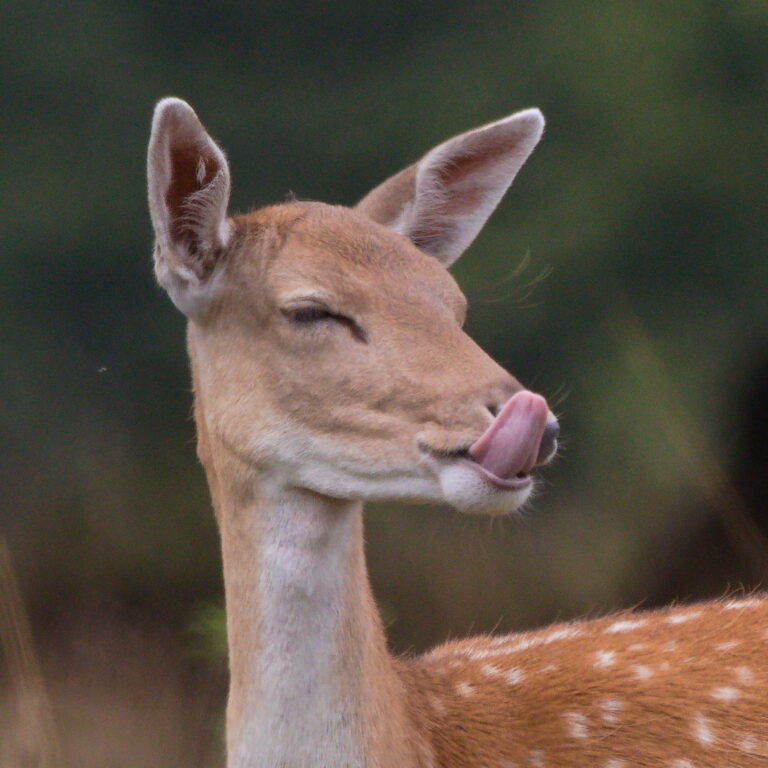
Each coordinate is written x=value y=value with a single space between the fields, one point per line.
x=307 y=316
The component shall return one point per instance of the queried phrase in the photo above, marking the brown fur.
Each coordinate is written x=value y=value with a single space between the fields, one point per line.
x=687 y=683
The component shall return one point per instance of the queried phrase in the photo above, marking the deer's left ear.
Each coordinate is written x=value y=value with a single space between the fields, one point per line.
x=189 y=183
x=442 y=201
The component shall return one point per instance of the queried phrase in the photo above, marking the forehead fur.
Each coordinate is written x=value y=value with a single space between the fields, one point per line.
x=341 y=240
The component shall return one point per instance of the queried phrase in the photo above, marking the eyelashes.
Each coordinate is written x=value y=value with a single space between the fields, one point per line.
x=312 y=315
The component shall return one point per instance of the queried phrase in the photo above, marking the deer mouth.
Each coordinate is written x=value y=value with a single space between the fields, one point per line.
x=463 y=458
x=520 y=481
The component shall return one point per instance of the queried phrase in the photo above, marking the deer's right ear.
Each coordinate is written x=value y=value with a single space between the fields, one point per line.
x=189 y=183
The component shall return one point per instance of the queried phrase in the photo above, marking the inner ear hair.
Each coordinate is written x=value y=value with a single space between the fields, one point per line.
x=189 y=184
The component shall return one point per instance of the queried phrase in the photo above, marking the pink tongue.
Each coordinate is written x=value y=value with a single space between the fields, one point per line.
x=510 y=445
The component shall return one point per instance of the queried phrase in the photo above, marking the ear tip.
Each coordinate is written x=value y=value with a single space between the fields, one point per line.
x=526 y=126
x=531 y=118
x=172 y=108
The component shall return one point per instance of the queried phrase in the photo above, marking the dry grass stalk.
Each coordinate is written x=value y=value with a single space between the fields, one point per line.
x=30 y=738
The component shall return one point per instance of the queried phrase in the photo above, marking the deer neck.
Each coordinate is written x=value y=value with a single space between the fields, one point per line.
x=311 y=680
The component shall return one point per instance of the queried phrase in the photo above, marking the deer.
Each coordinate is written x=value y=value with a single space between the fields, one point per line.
x=330 y=367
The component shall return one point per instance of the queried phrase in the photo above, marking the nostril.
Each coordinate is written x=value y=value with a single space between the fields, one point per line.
x=548 y=444
x=493 y=409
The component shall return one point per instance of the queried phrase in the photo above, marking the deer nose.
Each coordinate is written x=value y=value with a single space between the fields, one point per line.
x=548 y=444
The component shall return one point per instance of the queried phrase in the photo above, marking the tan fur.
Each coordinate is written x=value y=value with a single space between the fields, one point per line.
x=298 y=422
x=411 y=387
x=649 y=689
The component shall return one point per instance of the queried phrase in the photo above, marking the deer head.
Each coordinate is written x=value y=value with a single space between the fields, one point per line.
x=326 y=342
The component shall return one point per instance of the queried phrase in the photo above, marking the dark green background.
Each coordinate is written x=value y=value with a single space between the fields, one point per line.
x=625 y=276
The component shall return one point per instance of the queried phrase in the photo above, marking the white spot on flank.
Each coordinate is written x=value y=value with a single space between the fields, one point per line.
x=465 y=689
x=681 y=764
x=577 y=725
x=665 y=666
x=735 y=605
x=625 y=625
x=636 y=647
x=549 y=668
x=615 y=763
x=611 y=708
x=702 y=731
x=564 y=633
x=514 y=676
x=437 y=704
x=725 y=693
x=503 y=648
x=744 y=675
x=681 y=618
x=524 y=644
x=490 y=670
x=730 y=645
x=642 y=672
x=605 y=659
x=746 y=743
x=536 y=758
x=478 y=655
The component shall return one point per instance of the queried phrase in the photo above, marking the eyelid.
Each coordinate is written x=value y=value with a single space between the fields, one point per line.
x=304 y=302
x=319 y=303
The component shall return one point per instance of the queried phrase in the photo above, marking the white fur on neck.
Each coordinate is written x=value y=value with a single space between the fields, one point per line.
x=300 y=712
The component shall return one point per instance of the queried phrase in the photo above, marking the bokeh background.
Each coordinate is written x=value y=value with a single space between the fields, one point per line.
x=625 y=276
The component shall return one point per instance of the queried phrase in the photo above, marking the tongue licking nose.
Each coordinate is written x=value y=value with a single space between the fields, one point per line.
x=510 y=446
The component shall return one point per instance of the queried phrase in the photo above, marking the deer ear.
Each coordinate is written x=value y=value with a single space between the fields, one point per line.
x=189 y=183
x=442 y=201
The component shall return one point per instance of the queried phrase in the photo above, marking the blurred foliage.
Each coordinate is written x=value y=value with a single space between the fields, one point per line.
x=207 y=632
x=644 y=208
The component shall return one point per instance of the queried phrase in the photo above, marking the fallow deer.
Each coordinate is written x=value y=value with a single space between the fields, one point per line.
x=330 y=367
